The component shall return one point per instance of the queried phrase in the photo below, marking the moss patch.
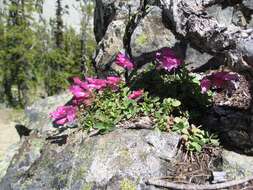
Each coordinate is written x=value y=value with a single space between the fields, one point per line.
x=87 y=187
x=141 y=39
x=127 y=184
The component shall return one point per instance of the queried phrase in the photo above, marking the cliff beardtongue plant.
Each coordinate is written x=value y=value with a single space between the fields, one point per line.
x=167 y=59
x=106 y=103
x=124 y=61
x=64 y=114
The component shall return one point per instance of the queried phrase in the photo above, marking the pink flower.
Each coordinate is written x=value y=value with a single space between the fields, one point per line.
x=113 y=82
x=77 y=80
x=81 y=83
x=64 y=114
x=97 y=84
x=136 y=94
x=124 y=61
x=222 y=79
x=79 y=92
x=168 y=59
x=218 y=80
x=205 y=85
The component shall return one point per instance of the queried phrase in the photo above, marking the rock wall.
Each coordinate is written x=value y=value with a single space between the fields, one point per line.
x=202 y=32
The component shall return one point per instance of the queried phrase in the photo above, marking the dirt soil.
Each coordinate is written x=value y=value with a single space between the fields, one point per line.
x=8 y=135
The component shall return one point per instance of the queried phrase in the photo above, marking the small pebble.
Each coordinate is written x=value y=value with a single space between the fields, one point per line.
x=244 y=35
x=219 y=177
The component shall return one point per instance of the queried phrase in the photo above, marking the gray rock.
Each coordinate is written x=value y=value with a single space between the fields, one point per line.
x=151 y=35
x=122 y=157
x=248 y=4
x=162 y=143
x=108 y=10
x=38 y=113
x=250 y=23
x=247 y=48
x=6 y=160
x=110 y=46
x=233 y=127
x=237 y=165
x=239 y=18
x=194 y=59
x=223 y=16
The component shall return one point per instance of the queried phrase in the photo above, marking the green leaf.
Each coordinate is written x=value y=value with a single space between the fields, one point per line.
x=176 y=103
x=196 y=146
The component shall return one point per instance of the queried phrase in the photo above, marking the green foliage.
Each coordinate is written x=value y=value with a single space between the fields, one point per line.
x=17 y=52
x=110 y=108
x=194 y=138
x=180 y=85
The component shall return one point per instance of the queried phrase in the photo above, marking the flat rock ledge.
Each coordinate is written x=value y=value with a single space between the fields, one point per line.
x=122 y=158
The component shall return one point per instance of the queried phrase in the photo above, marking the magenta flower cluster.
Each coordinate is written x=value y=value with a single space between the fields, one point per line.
x=136 y=94
x=83 y=90
x=64 y=114
x=83 y=93
x=167 y=59
x=218 y=80
x=124 y=61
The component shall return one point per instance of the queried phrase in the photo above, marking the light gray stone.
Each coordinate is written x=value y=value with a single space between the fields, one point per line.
x=194 y=59
x=38 y=114
x=248 y=4
x=223 y=16
x=151 y=35
x=237 y=165
x=110 y=46
x=104 y=161
x=247 y=48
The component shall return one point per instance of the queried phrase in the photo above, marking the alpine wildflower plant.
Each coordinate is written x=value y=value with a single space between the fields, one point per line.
x=104 y=103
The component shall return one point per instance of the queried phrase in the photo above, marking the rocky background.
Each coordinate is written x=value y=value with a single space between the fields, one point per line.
x=205 y=34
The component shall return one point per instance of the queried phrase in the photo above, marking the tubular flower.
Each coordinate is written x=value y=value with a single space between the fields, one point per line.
x=223 y=79
x=77 y=80
x=79 y=92
x=64 y=114
x=113 y=82
x=218 y=80
x=124 y=61
x=167 y=59
x=136 y=94
x=97 y=84
x=205 y=85
x=84 y=85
